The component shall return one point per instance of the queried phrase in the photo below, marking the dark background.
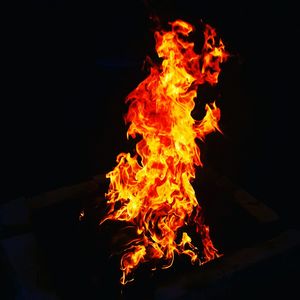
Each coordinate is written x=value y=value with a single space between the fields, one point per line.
x=69 y=65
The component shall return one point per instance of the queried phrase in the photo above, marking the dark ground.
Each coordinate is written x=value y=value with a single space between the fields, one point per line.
x=69 y=65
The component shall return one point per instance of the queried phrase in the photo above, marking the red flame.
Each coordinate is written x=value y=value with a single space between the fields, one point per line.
x=152 y=189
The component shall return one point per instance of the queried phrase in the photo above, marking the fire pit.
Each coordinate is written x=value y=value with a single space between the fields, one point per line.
x=62 y=252
x=77 y=256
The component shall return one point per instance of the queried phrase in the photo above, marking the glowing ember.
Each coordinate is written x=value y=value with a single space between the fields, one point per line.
x=152 y=190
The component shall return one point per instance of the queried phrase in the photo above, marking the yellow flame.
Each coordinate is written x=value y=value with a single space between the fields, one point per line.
x=152 y=189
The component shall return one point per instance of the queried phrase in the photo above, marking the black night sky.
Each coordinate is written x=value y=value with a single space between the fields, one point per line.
x=70 y=64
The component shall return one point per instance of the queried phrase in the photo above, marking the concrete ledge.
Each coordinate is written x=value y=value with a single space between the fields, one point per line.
x=253 y=206
x=258 y=209
x=77 y=191
x=217 y=276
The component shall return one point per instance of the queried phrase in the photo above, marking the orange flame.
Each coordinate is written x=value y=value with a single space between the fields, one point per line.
x=152 y=189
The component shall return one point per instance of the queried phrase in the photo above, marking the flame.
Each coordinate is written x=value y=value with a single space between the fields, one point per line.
x=152 y=189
